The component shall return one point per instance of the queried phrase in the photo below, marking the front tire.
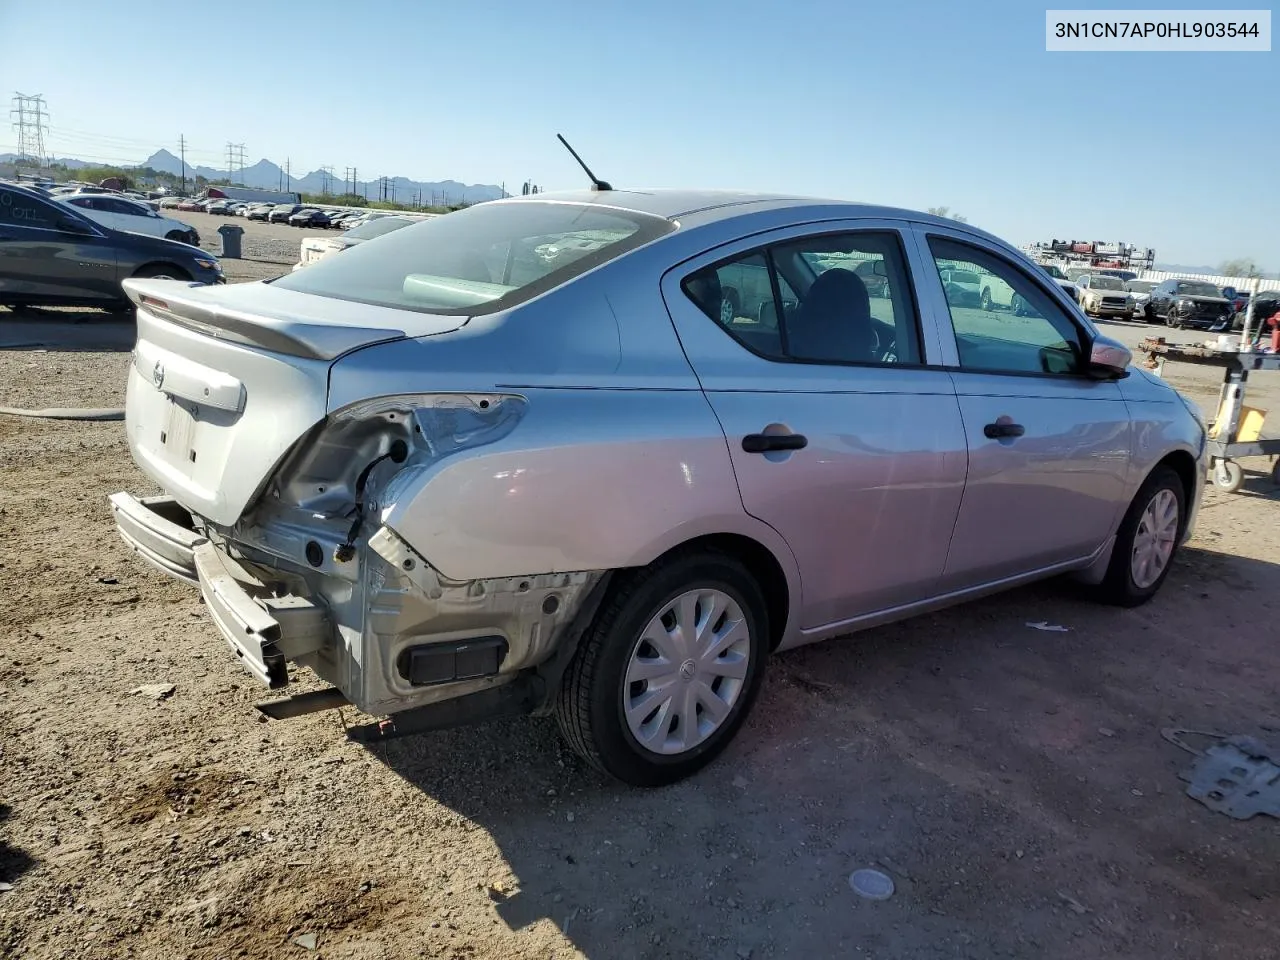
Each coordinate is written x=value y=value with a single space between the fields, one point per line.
x=1147 y=540
x=1172 y=320
x=163 y=272
x=668 y=671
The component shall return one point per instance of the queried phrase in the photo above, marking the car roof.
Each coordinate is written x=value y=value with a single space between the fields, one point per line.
x=707 y=206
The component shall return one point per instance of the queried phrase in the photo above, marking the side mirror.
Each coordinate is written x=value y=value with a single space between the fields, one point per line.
x=68 y=225
x=1109 y=359
x=877 y=268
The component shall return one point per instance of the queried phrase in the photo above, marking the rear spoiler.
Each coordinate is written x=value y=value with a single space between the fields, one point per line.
x=182 y=304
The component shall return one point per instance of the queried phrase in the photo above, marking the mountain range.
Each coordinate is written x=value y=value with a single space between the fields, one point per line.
x=265 y=175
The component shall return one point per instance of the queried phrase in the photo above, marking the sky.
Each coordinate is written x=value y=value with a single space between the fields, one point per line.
x=908 y=103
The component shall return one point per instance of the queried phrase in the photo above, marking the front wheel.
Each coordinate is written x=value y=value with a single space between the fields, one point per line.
x=163 y=271
x=1146 y=540
x=668 y=671
x=1172 y=320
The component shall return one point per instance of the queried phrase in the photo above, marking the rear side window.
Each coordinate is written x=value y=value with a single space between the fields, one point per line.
x=480 y=260
x=832 y=298
x=23 y=210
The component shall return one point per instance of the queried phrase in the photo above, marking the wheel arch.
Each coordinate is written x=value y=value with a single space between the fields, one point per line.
x=161 y=265
x=761 y=563
x=1184 y=465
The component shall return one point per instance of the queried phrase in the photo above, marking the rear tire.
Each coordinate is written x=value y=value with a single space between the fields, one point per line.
x=1145 y=532
x=694 y=598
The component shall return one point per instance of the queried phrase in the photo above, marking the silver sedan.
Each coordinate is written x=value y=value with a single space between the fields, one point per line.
x=599 y=454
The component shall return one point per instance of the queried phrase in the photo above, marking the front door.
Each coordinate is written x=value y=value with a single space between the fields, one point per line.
x=840 y=439
x=1049 y=448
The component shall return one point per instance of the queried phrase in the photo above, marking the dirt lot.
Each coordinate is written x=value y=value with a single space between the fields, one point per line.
x=1014 y=782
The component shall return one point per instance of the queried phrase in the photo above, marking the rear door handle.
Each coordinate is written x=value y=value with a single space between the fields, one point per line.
x=1000 y=431
x=766 y=442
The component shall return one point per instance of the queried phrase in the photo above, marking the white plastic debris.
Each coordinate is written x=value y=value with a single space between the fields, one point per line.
x=871 y=884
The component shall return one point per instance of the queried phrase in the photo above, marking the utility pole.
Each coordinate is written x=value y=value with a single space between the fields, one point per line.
x=29 y=121
x=182 y=150
x=326 y=175
x=288 y=175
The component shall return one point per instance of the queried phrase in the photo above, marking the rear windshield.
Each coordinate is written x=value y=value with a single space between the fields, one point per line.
x=479 y=260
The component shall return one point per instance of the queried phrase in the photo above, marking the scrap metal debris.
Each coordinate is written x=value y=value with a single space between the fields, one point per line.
x=1238 y=776
x=1048 y=627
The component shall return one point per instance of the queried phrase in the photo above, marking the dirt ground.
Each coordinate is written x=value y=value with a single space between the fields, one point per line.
x=1013 y=782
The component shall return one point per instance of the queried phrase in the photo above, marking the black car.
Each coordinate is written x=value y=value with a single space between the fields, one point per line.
x=1188 y=303
x=51 y=255
x=308 y=217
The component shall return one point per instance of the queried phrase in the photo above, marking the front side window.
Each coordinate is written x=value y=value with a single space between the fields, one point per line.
x=479 y=260
x=836 y=298
x=23 y=210
x=1004 y=322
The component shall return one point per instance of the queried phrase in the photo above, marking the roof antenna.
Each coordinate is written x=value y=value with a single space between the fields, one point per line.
x=596 y=182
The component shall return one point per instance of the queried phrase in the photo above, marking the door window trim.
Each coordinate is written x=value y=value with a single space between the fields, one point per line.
x=1056 y=298
x=763 y=246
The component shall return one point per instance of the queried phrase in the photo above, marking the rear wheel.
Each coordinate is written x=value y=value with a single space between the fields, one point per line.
x=668 y=671
x=1146 y=540
x=985 y=301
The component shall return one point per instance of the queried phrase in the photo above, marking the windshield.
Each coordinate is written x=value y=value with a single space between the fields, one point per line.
x=376 y=228
x=1105 y=283
x=1140 y=286
x=1054 y=272
x=479 y=260
x=1192 y=289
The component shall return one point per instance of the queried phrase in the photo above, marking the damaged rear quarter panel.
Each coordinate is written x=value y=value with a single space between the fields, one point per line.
x=591 y=480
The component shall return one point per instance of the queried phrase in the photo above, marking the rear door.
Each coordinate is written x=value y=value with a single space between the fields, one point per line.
x=840 y=437
x=1049 y=448
x=49 y=251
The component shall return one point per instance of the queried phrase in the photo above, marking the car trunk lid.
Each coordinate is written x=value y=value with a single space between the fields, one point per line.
x=225 y=380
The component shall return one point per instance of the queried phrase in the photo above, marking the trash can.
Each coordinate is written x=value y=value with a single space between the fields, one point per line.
x=231 y=235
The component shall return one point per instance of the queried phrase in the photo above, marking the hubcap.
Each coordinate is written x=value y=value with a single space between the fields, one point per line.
x=686 y=671
x=1154 y=539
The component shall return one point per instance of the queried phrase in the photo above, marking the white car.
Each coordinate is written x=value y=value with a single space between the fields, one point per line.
x=316 y=248
x=131 y=216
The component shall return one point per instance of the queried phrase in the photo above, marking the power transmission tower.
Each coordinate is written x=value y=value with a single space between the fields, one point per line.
x=326 y=176
x=182 y=150
x=235 y=161
x=29 y=121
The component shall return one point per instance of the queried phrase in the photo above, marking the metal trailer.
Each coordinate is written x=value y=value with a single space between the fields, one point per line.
x=1224 y=449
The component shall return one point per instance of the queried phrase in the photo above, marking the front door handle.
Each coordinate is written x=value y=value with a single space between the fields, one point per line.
x=767 y=442
x=1002 y=431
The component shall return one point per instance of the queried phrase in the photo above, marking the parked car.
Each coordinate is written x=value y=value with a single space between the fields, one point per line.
x=1140 y=294
x=189 y=205
x=215 y=206
x=1066 y=283
x=308 y=217
x=131 y=216
x=370 y=496
x=1188 y=303
x=53 y=254
x=170 y=203
x=316 y=248
x=1102 y=295
x=281 y=212
x=963 y=287
x=260 y=211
